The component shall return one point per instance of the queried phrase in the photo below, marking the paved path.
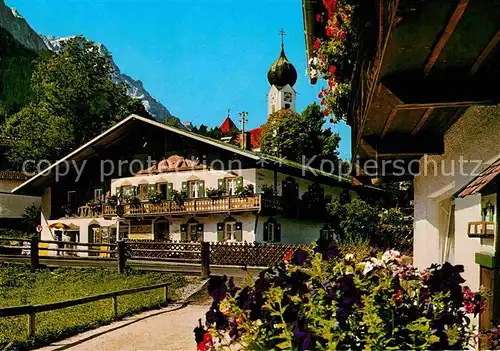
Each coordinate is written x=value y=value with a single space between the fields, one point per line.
x=167 y=329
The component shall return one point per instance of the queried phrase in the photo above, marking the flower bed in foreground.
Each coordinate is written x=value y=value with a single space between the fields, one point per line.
x=320 y=301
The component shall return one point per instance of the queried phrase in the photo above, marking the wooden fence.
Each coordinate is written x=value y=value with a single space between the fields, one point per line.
x=31 y=310
x=137 y=251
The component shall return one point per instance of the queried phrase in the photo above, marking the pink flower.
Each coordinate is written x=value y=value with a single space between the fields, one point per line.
x=318 y=17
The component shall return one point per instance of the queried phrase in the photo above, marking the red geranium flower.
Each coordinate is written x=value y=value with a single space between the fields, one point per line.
x=318 y=18
x=326 y=112
x=316 y=44
x=288 y=256
x=341 y=34
x=332 y=70
x=206 y=344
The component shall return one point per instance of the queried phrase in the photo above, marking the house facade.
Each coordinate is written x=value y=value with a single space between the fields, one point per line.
x=424 y=106
x=198 y=190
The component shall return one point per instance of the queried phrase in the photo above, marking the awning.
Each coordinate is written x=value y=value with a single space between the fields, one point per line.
x=59 y=225
x=482 y=180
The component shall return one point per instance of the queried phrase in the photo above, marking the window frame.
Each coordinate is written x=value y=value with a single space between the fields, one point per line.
x=140 y=190
x=230 y=180
x=190 y=187
x=99 y=197
x=232 y=234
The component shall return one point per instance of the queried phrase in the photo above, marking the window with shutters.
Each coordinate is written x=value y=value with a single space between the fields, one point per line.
x=196 y=189
x=127 y=190
x=98 y=194
x=143 y=191
x=272 y=231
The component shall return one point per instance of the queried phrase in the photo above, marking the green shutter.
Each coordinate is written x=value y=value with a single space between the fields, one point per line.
x=266 y=232
x=134 y=190
x=152 y=189
x=118 y=191
x=239 y=232
x=239 y=181
x=220 y=232
x=183 y=232
x=277 y=233
x=201 y=189
x=170 y=189
x=185 y=186
x=220 y=184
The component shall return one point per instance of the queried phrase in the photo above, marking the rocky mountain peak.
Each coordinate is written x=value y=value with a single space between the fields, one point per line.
x=18 y=27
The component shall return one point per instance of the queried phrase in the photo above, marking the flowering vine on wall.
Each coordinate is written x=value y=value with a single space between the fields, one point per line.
x=334 y=54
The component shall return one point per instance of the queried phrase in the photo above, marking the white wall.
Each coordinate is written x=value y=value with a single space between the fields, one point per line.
x=266 y=177
x=293 y=231
x=211 y=178
x=210 y=226
x=475 y=136
x=13 y=206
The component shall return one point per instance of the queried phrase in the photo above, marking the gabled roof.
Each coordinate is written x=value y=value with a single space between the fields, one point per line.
x=129 y=124
x=228 y=125
x=482 y=180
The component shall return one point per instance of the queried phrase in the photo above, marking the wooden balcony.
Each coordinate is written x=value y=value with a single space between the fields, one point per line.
x=205 y=205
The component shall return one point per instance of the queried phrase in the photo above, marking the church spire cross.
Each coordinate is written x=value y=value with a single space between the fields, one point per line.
x=282 y=34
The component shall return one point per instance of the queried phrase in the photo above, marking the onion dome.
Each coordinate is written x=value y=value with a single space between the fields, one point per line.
x=282 y=72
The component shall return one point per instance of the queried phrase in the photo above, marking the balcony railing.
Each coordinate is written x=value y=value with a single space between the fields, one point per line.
x=205 y=205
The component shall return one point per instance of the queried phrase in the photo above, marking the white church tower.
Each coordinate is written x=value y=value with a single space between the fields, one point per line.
x=282 y=76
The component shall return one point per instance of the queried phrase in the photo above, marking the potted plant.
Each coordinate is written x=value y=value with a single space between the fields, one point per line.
x=67 y=210
x=112 y=200
x=245 y=191
x=267 y=190
x=95 y=206
x=215 y=193
x=133 y=201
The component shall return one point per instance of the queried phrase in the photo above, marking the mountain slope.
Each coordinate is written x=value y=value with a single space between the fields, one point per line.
x=16 y=29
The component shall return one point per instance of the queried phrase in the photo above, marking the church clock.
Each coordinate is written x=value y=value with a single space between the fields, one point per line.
x=288 y=97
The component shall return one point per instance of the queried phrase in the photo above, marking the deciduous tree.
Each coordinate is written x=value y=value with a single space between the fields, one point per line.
x=74 y=100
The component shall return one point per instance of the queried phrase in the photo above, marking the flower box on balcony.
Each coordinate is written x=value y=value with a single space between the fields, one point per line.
x=481 y=229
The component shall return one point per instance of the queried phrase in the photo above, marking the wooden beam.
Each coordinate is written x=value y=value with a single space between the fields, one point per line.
x=448 y=31
x=420 y=106
x=395 y=145
x=423 y=120
x=390 y=96
x=484 y=54
x=378 y=67
x=370 y=151
x=388 y=122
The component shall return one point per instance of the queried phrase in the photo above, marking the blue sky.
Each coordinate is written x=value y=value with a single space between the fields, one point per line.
x=198 y=58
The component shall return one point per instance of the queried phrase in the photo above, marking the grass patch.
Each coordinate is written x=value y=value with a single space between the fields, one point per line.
x=18 y=286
